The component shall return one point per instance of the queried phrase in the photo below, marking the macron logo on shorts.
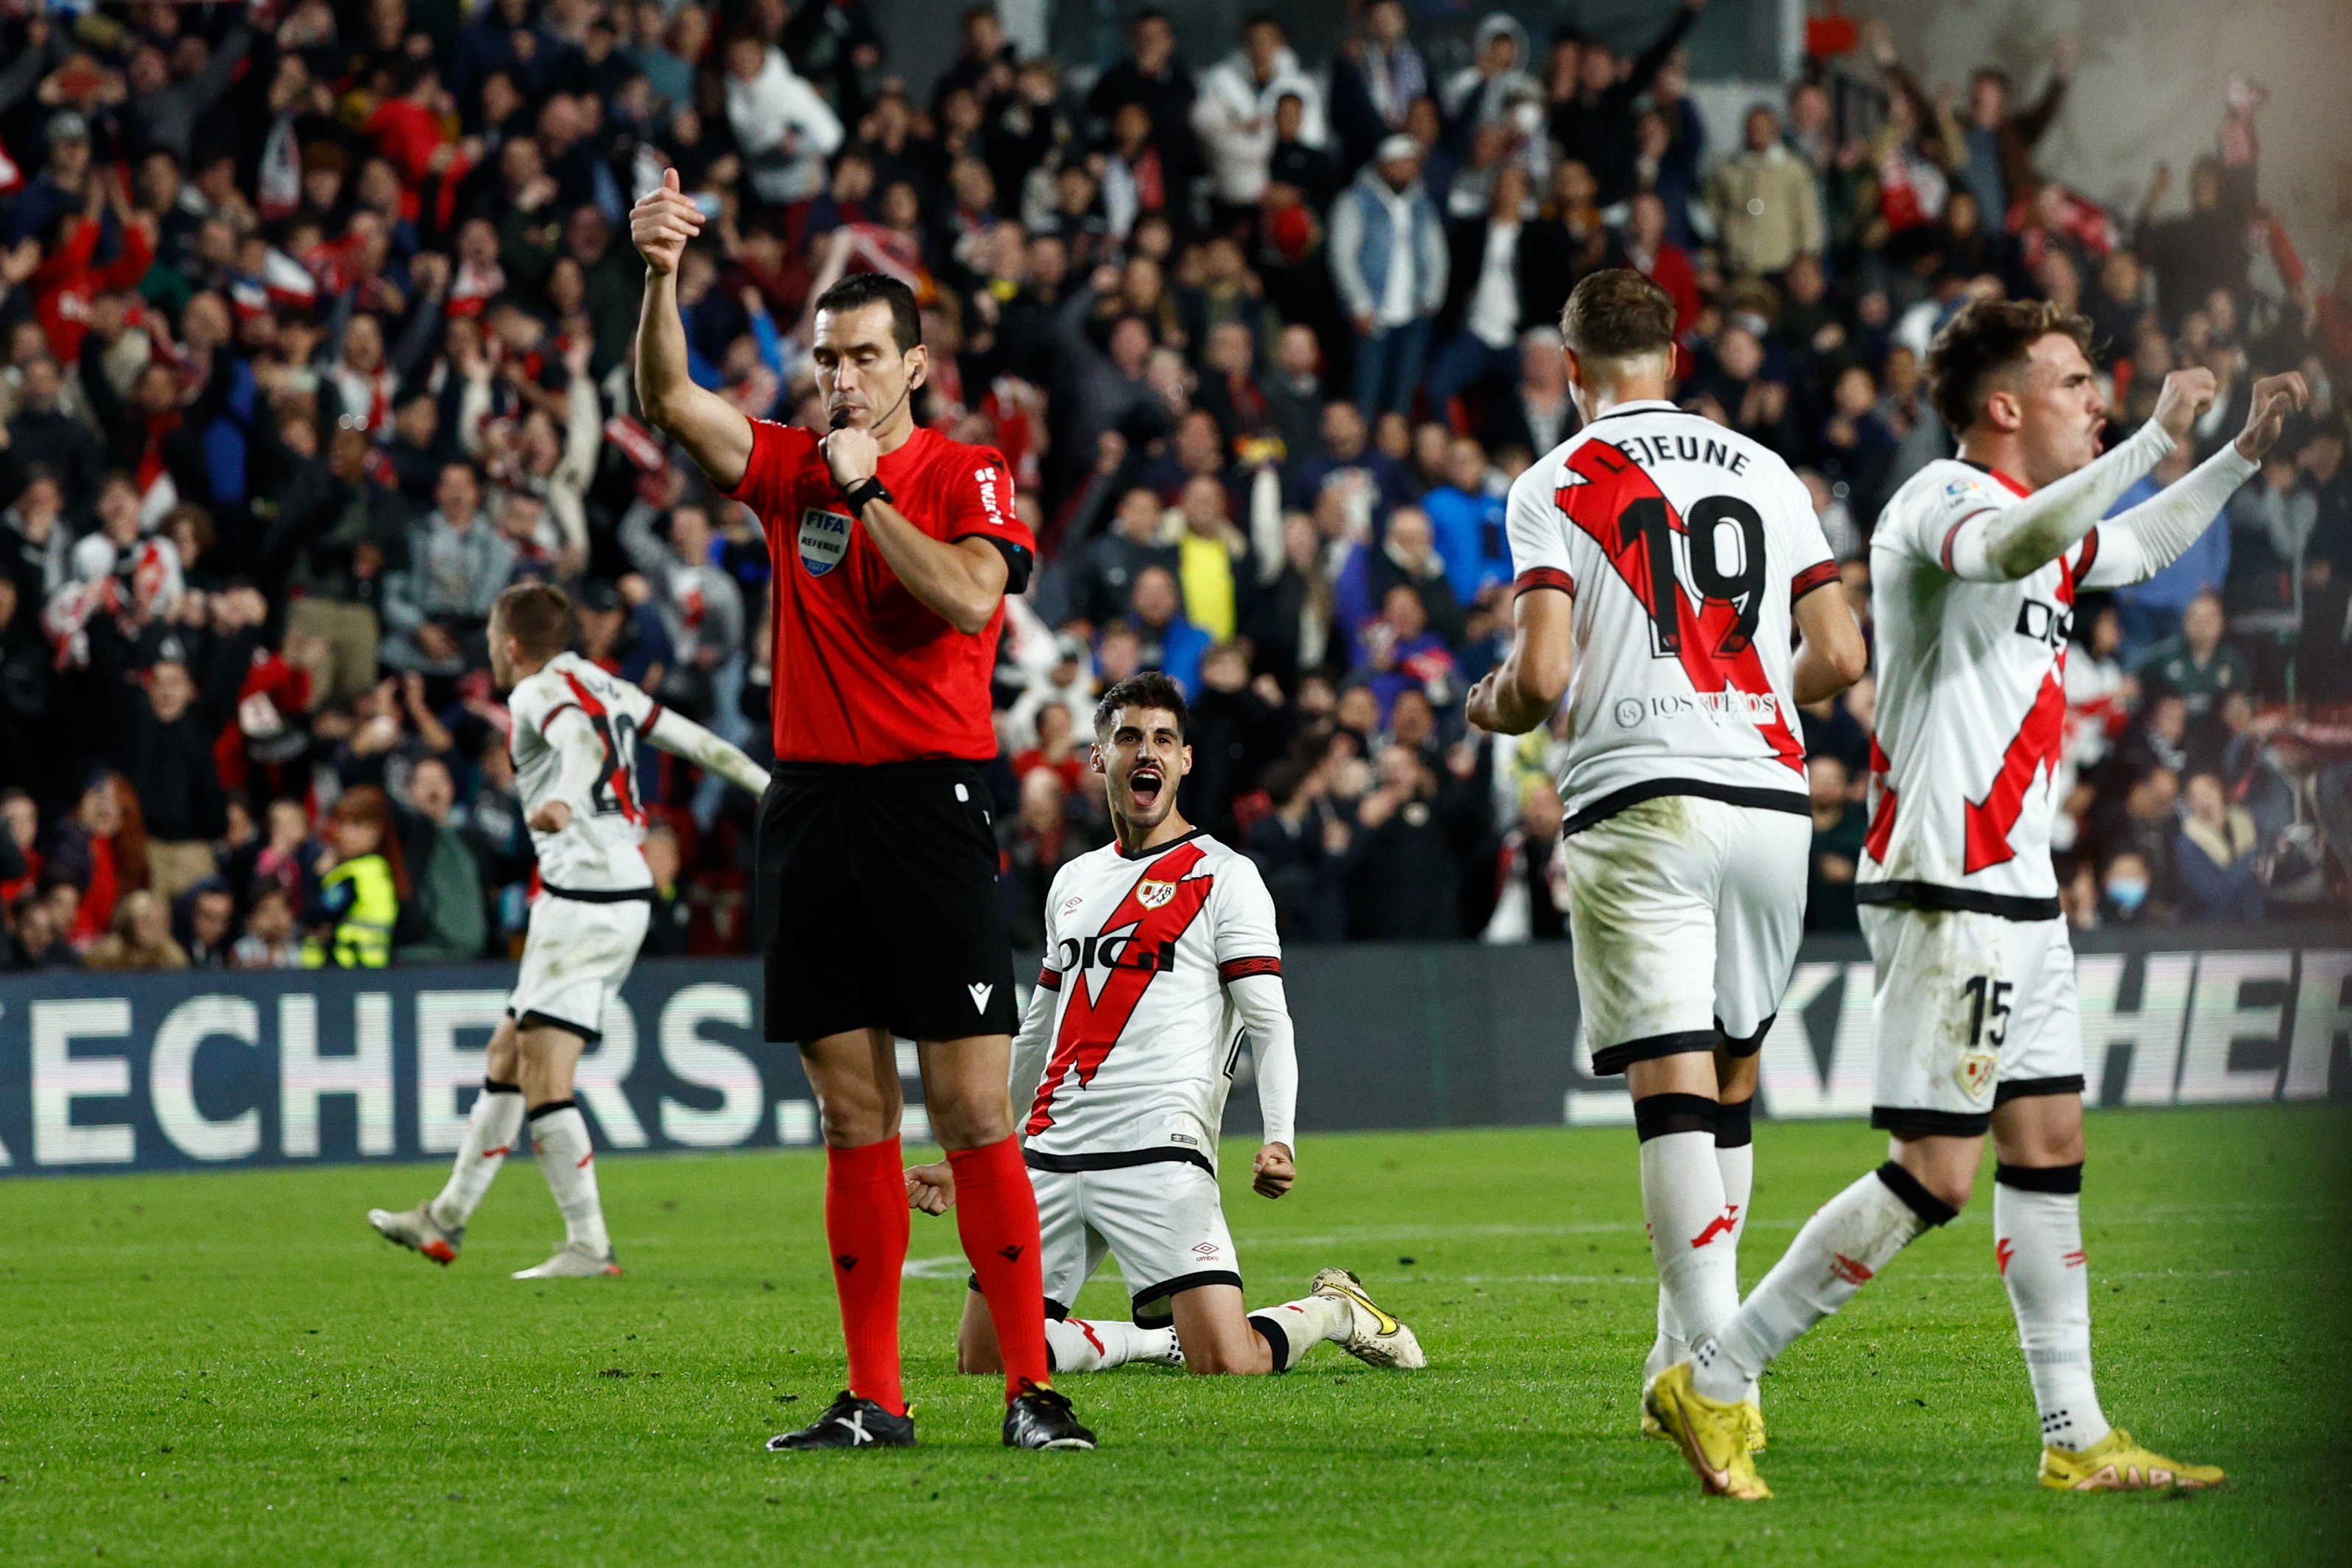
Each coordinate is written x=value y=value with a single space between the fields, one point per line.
x=980 y=996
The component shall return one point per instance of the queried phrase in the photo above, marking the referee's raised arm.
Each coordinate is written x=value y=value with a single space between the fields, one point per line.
x=713 y=431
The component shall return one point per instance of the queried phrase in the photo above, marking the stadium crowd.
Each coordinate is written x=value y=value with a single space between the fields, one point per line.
x=315 y=333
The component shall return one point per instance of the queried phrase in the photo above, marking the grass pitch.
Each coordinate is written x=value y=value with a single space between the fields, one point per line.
x=231 y=1367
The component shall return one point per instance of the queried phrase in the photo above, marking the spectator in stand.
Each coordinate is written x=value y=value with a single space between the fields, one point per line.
x=39 y=944
x=99 y=853
x=1056 y=748
x=1530 y=873
x=1037 y=843
x=701 y=607
x=141 y=936
x=2126 y=886
x=2220 y=875
x=1212 y=559
x=1839 y=826
x=669 y=931
x=1482 y=305
x=1153 y=77
x=435 y=613
x=1765 y=207
x=1466 y=515
x=1166 y=642
x=1233 y=117
x=1594 y=124
x=1408 y=557
x=1999 y=167
x=1536 y=415
x=1376 y=79
x=204 y=922
x=268 y=940
x=362 y=882
x=1389 y=263
x=1135 y=543
x=164 y=749
x=445 y=921
x=2200 y=669
x=1294 y=393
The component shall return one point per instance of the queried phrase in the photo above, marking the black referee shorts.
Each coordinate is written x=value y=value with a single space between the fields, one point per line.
x=878 y=903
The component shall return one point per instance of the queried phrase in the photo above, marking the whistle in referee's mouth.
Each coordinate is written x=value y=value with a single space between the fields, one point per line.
x=840 y=420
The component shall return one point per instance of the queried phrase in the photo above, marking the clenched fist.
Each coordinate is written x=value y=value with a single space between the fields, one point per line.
x=662 y=223
x=2275 y=397
x=2186 y=395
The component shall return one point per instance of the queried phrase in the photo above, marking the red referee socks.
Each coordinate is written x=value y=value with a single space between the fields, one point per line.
x=865 y=1230
x=997 y=1214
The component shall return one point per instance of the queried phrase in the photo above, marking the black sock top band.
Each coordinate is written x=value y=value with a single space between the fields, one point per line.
x=2040 y=1179
x=496 y=1086
x=550 y=1108
x=1931 y=1209
x=1657 y=1116
x=1734 y=1123
x=1266 y=1329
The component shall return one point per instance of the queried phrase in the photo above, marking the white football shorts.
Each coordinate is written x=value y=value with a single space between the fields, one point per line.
x=1685 y=914
x=1969 y=1010
x=1164 y=1222
x=575 y=958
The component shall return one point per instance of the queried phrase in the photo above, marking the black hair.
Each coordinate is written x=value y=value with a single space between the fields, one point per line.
x=860 y=289
x=1152 y=689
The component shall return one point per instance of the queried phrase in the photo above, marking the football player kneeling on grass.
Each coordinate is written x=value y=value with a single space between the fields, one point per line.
x=1161 y=955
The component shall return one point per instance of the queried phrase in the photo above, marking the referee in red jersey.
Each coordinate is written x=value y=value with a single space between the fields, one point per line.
x=892 y=550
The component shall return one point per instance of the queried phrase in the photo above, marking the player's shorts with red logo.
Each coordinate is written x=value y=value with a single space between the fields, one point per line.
x=1970 y=1010
x=1686 y=913
x=1163 y=1221
x=878 y=903
x=579 y=950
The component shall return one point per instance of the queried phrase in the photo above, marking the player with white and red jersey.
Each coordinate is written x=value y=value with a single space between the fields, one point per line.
x=1161 y=957
x=1666 y=566
x=1976 y=565
x=574 y=741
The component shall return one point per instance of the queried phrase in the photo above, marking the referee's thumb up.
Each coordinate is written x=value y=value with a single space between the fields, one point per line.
x=669 y=179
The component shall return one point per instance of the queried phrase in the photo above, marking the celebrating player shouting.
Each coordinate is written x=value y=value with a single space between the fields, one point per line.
x=894 y=547
x=574 y=745
x=1161 y=955
x=1975 y=565
x=1664 y=564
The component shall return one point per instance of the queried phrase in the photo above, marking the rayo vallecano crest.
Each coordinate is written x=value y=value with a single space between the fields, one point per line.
x=824 y=540
x=1976 y=1073
x=1152 y=894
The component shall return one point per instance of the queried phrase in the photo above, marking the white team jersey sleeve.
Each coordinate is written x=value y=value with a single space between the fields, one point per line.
x=1249 y=964
x=1542 y=555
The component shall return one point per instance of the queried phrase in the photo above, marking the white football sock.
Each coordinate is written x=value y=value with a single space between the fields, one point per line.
x=1681 y=1199
x=2038 y=1241
x=561 y=1137
x=490 y=1129
x=1296 y=1327
x=1848 y=1239
x=1736 y=1164
x=1097 y=1344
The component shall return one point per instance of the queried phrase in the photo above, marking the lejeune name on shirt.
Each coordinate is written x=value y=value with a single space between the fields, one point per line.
x=1648 y=449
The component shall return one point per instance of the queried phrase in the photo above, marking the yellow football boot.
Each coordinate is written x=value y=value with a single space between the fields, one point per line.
x=1751 y=1413
x=1714 y=1437
x=2116 y=1463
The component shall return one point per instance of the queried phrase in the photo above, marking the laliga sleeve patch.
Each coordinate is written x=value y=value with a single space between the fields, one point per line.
x=823 y=539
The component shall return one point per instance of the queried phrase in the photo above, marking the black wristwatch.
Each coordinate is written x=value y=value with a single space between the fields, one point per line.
x=867 y=489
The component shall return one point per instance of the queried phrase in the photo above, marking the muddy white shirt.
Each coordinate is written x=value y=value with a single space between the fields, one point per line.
x=1156 y=968
x=1687 y=547
x=571 y=706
